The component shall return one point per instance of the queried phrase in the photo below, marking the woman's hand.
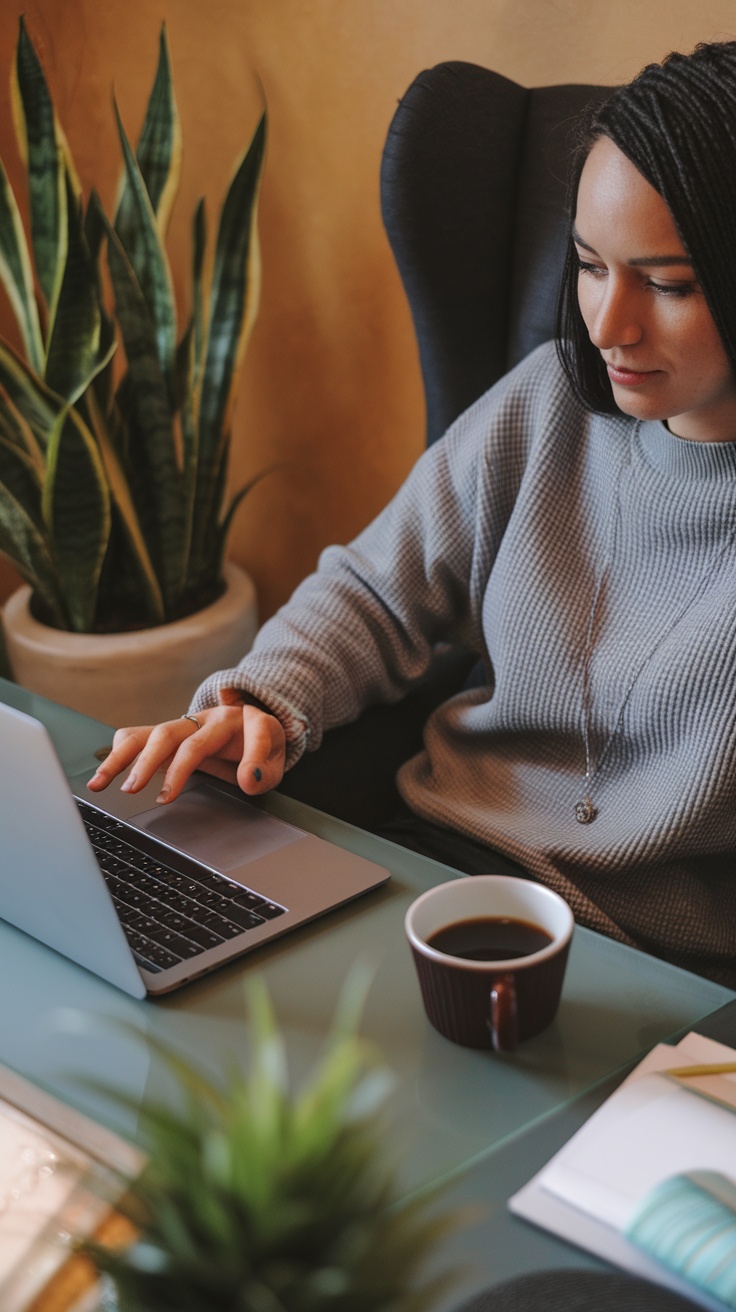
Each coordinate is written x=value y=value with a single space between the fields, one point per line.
x=247 y=736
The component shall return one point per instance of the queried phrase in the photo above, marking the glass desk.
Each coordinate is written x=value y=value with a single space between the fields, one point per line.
x=455 y=1112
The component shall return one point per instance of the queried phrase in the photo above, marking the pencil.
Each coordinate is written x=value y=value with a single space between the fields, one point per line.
x=718 y=1068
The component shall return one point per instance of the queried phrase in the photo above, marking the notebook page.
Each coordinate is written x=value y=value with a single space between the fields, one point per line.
x=652 y=1130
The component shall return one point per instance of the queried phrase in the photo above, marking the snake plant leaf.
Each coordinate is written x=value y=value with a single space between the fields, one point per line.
x=213 y=531
x=123 y=499
x=74 y=342
x=43 y=154
x=26 y=548
x=64 y=408
x=223 y=528
x=35 y=401
x=155 y=457
x=76 y=509
x=189 y=369
x=185 y=367
x=20 y=476
x=158 y=151
x=17 y=430
x=234 y=294
x=145 y=252
x=205 y=559
x=199 y=246
x=232 y=309
x=70 y=168
x=16 y=274
x=94 y=235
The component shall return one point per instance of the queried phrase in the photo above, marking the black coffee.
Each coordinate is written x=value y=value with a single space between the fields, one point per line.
x=490 y=938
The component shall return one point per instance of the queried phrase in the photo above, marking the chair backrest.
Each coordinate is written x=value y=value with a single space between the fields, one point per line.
x=473 y=194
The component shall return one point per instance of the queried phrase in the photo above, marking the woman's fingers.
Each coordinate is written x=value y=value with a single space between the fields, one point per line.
x=243 y=734
x=247 y=736
x=148 y=748
x=264 y=752
x=126 y=745
x=220 y=737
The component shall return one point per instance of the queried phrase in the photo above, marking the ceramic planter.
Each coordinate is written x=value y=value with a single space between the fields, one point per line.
x=131 y=678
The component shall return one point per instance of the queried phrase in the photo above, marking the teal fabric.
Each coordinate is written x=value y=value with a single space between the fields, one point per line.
x=688 y=1224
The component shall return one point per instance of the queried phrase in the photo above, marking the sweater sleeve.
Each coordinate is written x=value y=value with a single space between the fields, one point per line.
x=363 y=627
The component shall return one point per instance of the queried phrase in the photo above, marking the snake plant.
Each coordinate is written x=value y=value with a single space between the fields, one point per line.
x=260 y=1199
x=115 y=429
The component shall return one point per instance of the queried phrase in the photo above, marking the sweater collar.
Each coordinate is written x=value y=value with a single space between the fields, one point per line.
x=681 y=458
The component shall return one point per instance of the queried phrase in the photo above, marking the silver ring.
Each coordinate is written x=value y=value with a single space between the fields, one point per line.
x=193 y=719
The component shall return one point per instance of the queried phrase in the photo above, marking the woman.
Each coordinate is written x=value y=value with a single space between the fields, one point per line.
x=576 y=527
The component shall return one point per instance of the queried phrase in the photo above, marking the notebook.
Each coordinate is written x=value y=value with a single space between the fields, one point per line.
x=150 y=897
x=649 y=1181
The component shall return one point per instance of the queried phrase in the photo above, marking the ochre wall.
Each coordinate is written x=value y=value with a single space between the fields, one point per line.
x=330 y=390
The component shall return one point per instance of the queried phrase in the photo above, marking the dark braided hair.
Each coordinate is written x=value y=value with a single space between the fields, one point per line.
x=676 y=122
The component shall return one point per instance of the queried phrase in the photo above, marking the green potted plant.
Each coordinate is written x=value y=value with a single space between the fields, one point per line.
x=114 y=425
x=259 y=1199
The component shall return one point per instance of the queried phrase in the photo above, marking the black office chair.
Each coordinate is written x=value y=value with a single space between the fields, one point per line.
x=473 y=195
x=573 y=1290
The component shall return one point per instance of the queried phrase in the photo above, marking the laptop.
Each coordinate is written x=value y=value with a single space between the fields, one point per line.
x=150 y=897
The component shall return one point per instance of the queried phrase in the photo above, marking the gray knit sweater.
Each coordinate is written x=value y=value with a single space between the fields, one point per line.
x=499 y=539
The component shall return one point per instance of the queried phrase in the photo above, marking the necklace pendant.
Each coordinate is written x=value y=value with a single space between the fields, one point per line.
x=585 y=812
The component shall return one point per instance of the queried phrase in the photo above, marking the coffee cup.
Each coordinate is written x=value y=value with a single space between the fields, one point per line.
x=490 y=952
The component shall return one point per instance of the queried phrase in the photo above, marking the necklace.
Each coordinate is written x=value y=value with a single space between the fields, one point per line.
x=585 y=809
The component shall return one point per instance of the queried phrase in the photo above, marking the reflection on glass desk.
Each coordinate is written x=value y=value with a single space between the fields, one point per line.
x=452 y=1107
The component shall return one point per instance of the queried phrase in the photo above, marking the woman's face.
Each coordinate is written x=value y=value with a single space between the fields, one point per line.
x=643 y=306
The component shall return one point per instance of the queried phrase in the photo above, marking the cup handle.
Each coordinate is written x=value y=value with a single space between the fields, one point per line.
x=502 y=1023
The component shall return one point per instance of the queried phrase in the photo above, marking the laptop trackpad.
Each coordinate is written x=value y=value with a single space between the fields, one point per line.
x=218 y=830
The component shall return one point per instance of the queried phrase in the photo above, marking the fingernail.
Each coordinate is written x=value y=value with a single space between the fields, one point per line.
x=257 y=775
x=164 y=794
x=129 y=784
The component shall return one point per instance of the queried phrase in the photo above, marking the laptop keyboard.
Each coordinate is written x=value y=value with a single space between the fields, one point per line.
x=169 y=915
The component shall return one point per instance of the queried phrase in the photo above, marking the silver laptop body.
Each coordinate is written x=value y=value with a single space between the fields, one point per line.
x=211 y=861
